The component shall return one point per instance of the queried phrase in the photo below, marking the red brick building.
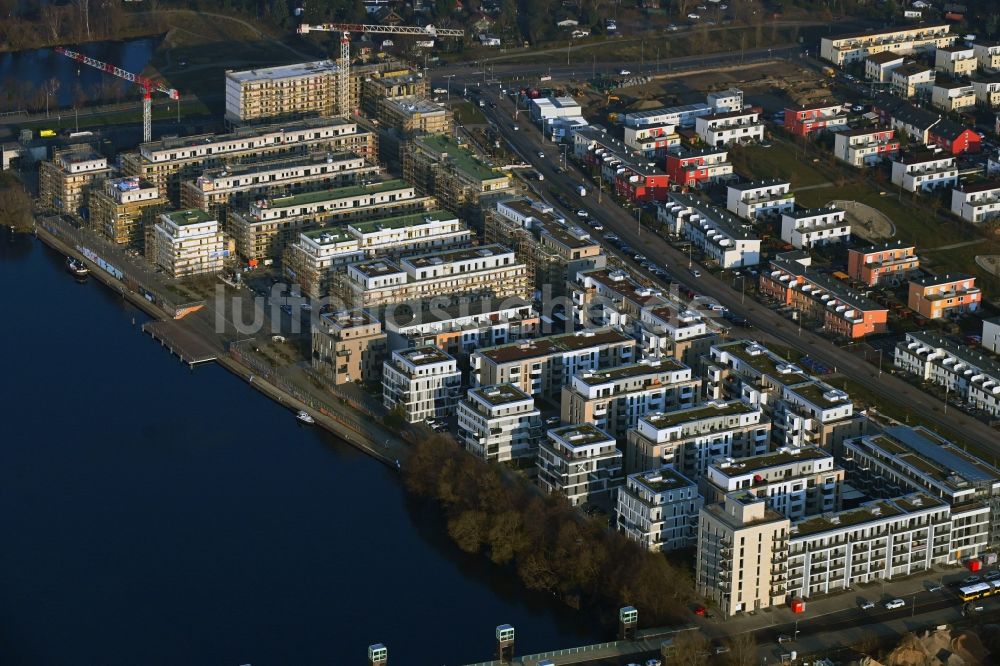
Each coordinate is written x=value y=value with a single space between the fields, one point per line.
x=805 y=120
x=690 y=167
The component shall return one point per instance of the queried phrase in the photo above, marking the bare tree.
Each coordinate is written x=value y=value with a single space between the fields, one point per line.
x=690 y=648
x=742 y=650
x=83 y=7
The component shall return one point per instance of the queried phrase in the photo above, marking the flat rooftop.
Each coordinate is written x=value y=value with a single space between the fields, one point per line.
x=623 y=283
x=284 y=71
x=510 y=309
x=500 y=394
x=565 y=236
x=331 y=235
x=631 y=371
x=582 y=434
x=937 y=458
x=663 y=479
x=866 y=513
x=701 y=412
x=758 y=184
x=306 y=198
x=822 y=395
x=343 y=319
x=423 y=355
x=765 y=361
x=409 y=105
x=460 y=254
x=175 y=142
x=779 y=458
x=938 y=280
x=402 y=221
x=191 y=216
x=463 y=158
x=283 y=162
x=566 y=342
x=377 y=268
x=802 y=213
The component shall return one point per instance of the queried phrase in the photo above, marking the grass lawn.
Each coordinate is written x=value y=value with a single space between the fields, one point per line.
x=65 y=119
x=963 y=259
x=467 y=113
x=781 y=160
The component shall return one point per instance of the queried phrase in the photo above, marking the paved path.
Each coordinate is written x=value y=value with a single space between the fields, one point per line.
x=817 y=186
x=954 y=246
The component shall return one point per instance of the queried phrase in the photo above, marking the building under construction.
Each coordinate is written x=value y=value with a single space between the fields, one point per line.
x=390 y=84
x=289 y=92
x=170 y=161
x=122 y=209
x=63 y=181
x=463 y=182
x=402 y=118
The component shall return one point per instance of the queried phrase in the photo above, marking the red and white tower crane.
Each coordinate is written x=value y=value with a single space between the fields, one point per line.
x=147 y=85
x=345 y=30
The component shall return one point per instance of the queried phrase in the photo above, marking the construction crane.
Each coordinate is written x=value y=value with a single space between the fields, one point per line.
x=345 y=30
x=147 y=85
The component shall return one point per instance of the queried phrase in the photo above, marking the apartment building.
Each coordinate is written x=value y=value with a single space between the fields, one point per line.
x=121 y=209
x=914 y=121
x=272 y=94
x=463 y=182
x=690 y=439
x=218 y=189
x=614 y=399
x=865 y=146
x=749 y=371
x=991 y=334
x=726 y=128
x=938 y=296
x=838 y=308
x=913 y=79
x=795 y=482
x=878 y=541
x=888 y=262
x=63 y=181
x=596 y=291
x=924 y=170
x=463 y=328
x=855 y=47
x=879 y=66
x=806 y=119
x=976 y=202
x=690 y=167
x=678 y=116
x=394 y=83
x=815 y=227
x=422 y=383
x=956 y=60
x=581 y=462
x=543 y=366
x=950 y=95
x=268 y=225
x=553 y=250
x=652 y=141
x=168 y=162
x=311 y=260
x=499 y=424
x=987 y=90
x=742 y=547
x=987 y=54
x=902 y=460
x=349 y=346
x=636 y=178
x=441 y=279
x=188 y=242
x=659 y=510
x=813 y=413
x=670 y=329
x=760 y=198
x=965 y=374
x=728 y=241
x=415 y=115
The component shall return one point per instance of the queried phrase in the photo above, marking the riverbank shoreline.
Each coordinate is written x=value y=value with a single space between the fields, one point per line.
x=329 y=422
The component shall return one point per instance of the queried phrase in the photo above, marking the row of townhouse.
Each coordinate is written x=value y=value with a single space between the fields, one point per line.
x=632 y=177
x=976 y=202
x=938 y=296
x=806 y=119
x=888 y=262
x=965 y=374
x=840 y=310
x=690 y=167
x=855 y=47
x=728 y=241
x=924 y=170
x=768 y=197
x=815 y=227
x=865 y=146
x=730 y=127
x=928 y=127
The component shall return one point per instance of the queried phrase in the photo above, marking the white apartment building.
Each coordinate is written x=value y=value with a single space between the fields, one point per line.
x=679 y=116
x=615 y=399
x=289 y=91
x=728 y=241
x=543 y=366
x=581 y=462
x=913 y=80
x=448 y=276
x=310 y=262
x=987 y=54
x=499 y=423
x=965 y=374
x=724 y=101
x=976 y=202
x=794 y=481
x=760 y=198
x=878 y=67
x=723 y=129
x=423 y=382
x=814 y=227
x=924 y=170
x=956 y=60
x=813 y=413
x=953 y=95
x=188 y=242
x=670 y=329
x=742 y=547
x=865 y=146
x=854 y=47
x=991 y=334
x=880 y=540
x=652 y=140
x=690 y=439
x=659 y=510
x=465 y=327
x=749 y=371
x=902 y=460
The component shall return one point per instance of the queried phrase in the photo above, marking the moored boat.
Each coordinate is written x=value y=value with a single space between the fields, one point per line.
x=77 y=267
x=305 y=417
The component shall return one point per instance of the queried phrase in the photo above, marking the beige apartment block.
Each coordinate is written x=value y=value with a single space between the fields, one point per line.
x=121 y=209
x=189 y=242
x=272 y=94
x=63 y=181
x=349 y=346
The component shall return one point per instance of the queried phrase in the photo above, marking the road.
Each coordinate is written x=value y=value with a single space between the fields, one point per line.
x=528 y=141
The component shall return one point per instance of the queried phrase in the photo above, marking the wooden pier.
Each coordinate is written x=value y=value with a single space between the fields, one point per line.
x=181 y=341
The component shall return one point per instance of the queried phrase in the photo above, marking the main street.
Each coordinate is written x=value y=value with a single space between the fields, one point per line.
x=528 y=141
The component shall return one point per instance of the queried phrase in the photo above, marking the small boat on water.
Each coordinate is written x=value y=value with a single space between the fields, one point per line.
x=76 y=267
x=304 y=417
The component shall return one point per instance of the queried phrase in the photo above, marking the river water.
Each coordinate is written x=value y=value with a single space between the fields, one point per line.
x=151 y=514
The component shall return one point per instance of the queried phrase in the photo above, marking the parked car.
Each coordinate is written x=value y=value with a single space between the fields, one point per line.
x=598 y=226
x=784 y=638
x=582 y=213
x=867 y=605
x=893 y=604
x=972 y=579
x=934 y=587
x=541 y=154
x=624 y=72
x=695 y=272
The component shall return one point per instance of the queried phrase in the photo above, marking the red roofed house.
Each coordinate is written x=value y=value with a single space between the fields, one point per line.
x=807 y=119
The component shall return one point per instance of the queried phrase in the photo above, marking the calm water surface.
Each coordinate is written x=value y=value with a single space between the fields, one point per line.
x=154 y=515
